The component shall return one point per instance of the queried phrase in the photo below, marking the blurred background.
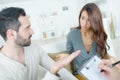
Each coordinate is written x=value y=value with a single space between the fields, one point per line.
x=51 y=21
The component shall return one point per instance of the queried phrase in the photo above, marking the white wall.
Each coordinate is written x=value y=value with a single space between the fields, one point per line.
x=111 y=9
x=59 y=15
x=50 y=15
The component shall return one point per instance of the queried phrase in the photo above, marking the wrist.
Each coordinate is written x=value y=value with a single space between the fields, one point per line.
x=54 y=70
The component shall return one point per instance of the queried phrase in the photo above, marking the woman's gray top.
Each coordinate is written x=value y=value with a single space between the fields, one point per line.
x=75 y=42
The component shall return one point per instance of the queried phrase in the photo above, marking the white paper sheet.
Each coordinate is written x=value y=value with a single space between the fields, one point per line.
x=91 y=71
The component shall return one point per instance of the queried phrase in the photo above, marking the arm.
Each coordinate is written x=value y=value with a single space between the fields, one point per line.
x=113 y=60
x=63 y=62
x=69 y=45
x=45 y=60
x=55 y=67
x=110 y=73
x=49 y=76
x=4 y=77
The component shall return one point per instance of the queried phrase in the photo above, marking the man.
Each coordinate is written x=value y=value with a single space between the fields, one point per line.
x=18 y=59
x=110 y=73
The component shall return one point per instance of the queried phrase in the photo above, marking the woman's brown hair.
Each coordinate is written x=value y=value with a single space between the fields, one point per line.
x=99 y=35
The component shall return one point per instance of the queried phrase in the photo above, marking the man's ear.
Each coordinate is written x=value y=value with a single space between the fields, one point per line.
x=11 y=34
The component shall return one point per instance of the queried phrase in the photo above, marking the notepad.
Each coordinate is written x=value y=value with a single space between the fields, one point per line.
x=90 y=69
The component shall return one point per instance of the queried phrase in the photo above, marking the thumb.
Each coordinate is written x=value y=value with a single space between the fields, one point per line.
x=74 y=54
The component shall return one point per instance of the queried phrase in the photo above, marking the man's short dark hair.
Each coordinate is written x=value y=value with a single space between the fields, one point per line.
x=9 y=19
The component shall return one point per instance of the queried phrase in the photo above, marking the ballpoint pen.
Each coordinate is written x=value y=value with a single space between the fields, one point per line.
x=112 y=65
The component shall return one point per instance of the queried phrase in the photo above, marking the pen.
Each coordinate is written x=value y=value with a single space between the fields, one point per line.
x=112 y=65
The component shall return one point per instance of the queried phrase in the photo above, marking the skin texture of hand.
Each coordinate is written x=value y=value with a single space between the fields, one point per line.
x=61 y=56
x=110 y=73
x=64 y=62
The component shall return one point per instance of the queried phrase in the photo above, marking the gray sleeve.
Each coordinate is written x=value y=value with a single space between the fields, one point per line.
x=69 y=45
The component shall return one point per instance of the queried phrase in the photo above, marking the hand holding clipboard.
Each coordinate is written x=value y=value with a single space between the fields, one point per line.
x=112 y=65
x=90 y=69
x=109 y=70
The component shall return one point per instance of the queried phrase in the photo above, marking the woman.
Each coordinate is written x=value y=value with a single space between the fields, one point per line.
x=89 y=37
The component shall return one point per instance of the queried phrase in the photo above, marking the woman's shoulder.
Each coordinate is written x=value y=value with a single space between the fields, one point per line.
x=73 y=31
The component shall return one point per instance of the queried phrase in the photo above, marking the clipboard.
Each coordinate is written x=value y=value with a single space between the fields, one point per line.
x=90 y=69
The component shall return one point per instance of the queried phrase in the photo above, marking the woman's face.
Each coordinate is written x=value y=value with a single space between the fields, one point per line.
x=84 y=21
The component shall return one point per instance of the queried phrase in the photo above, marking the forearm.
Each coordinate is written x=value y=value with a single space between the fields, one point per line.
x=50 y=76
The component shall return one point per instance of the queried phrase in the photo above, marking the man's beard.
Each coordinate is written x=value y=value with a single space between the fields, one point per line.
x=22 y=42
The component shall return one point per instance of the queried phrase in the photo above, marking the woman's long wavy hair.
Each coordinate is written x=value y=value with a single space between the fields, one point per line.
x=99 y=35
